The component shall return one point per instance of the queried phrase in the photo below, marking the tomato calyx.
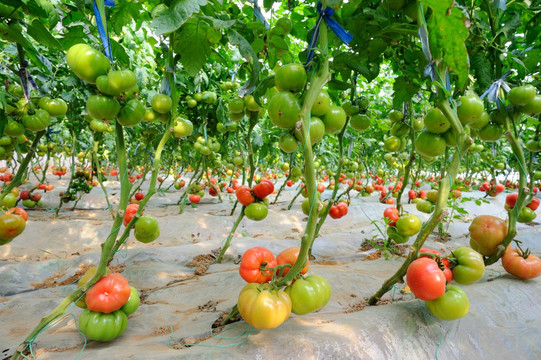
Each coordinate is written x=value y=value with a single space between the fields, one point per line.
x=438 y=259
x=522 y=253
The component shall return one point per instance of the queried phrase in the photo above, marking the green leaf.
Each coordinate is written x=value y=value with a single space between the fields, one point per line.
x=42 y=35
x=279 y=43
x=403 y=91
x=248 y=53
x=267 y=4
x=262 y=88
x=338 y=85
x=119 y=53
x=179 y=12
x=123 y=13
x=44 y=9
x=483 y=70
x=258 y=45
x=448 y=34
x=193 y=47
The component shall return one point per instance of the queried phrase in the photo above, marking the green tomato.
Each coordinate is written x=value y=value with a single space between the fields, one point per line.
x=452 y=305
x=480 y=123
x=102 y=107
x=309 y=294
x=102 y=327
x=102 y=83
x=399 y=129
x=470 y=268
x=236 y=106
x=288 y=143
x=393 y=234
x=121 y=80
x=251 y=104
x=436 y=122
x=490 y=133
x=392 y=144
x=256 y=211
x=418 y=124
x=526 y=215
x=284 y=23
x=322 y=105
x=38 y=121
x=290 y=77
x=13 y=129
x=87 y=63
x=98 y=125
x=470 y=108
x=284 y=110
x=430 y=144
x=360 y=122
x=132 y=113
x=408 y=225
x=396 y=116
x=349 y=108
x=161 y=103
x=147 y=229
x=521 y=95
x=334 y=119
x=533 y=107
x=133 y=302
x=317 y=130
x=9 y=200
x=182 y=127
x=55 y=107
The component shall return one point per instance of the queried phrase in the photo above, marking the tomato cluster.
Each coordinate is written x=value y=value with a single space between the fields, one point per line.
x=429 y=278
x=255 y=200
x=106 y=305
x=266 y=306
x=400 y=228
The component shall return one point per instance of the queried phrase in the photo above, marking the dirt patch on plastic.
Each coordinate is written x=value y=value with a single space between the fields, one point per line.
x=360 y=305
x=52 y=281
x=202 y=262
x=379 y=244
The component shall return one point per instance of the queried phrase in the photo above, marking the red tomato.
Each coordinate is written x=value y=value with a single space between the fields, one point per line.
x=334 y=212
x=500 y=188
x=412 y=194
x=510 y=201
x=139 y=196
x=534 y=204
x=194 y=198
x=130 y=212
x=391 y=213
x=425 y=279
x=524 y=266
x=263 y=189
x=213 y=192
x=389 y=201
x=160 y=179
x=251 y=262
x=244 y=196
x=343 y=208
x=131 y=179
x=36 y=197
x=229 y=189
x=289 y=256
x=320 y=187
x=447 y=272
x=109 y=294
x=113 y=173
x=19 y=211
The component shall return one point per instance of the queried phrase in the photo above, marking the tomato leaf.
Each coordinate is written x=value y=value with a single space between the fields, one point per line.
x=403 y=91
x=448 y=34
x=44 y=9
x=248 y=53
x=193 y=47
x=42 y=35
x=123 y=13
x=483 y=70
x=262 y=88
x=179 y=12
x=119 y=53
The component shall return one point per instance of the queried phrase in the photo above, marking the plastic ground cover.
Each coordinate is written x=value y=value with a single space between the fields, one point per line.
x=180 y=306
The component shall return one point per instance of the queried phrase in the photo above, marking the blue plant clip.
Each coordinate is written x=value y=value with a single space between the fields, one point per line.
x=493 y=91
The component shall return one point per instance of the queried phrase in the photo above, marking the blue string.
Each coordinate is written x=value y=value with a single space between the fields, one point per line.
x=104 y=34
x=338 y=30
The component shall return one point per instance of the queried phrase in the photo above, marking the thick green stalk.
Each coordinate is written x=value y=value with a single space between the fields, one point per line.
x=320 y=78
x=96 y=162
x=407 y=170
x=230 y=237
x=19 y=176
x=463 y=143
